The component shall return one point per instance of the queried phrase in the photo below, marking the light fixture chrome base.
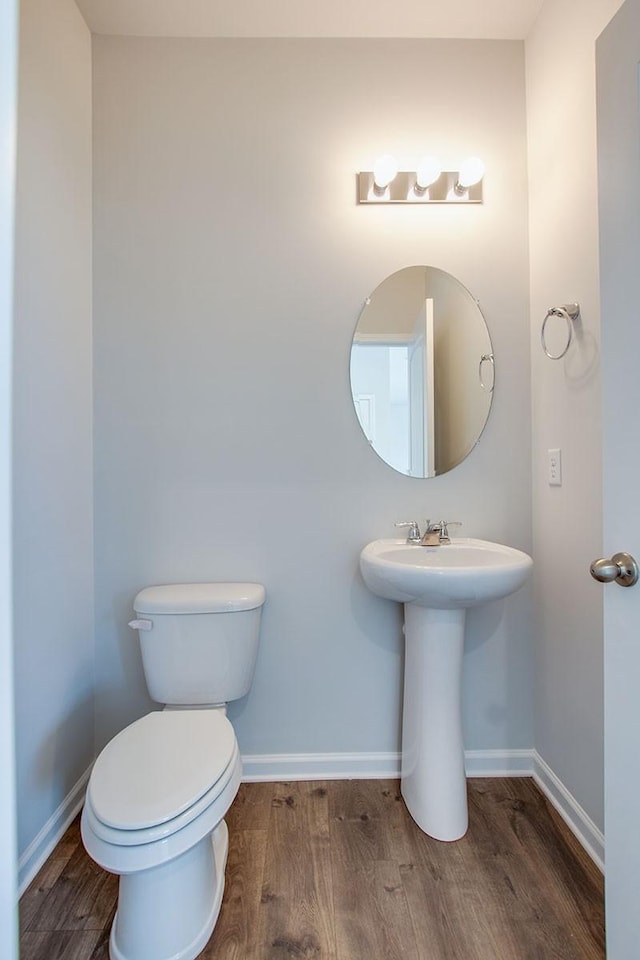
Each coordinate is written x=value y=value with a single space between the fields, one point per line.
x=403 y=189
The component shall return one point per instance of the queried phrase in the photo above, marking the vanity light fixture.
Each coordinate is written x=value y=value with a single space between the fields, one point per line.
x=471 y=172
x=385 y=170
x=427 y=183
x=428 y=171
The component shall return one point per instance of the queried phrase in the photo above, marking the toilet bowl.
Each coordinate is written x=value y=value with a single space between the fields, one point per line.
x=154 y=814
x=159 y=791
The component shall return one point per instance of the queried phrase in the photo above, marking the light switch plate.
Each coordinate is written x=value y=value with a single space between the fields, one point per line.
x=554 y=467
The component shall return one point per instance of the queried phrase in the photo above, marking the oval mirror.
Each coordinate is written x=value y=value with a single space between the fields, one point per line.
x=422 y=371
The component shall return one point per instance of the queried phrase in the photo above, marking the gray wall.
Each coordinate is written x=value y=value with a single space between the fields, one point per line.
x=231 y=262
x=8 y=135
x=566 y=402
x=53 y=520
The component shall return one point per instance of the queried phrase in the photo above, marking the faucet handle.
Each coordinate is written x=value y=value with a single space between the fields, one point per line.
x=414 y=535
x=444 y=527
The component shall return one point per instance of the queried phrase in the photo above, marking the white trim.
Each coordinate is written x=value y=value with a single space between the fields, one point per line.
x=383 y=339
x=43 y=845
x=581 y=825
x=498 y=763
x=373 y=766
x=320 y=766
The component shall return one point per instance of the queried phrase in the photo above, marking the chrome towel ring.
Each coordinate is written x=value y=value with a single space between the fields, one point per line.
x=570 y=312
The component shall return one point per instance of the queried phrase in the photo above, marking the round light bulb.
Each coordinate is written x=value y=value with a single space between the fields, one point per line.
x=427 y=172
x=384 y=170
x=471 y=172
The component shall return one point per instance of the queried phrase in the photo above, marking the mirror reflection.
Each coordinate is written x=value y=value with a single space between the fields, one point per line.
x=422 y=371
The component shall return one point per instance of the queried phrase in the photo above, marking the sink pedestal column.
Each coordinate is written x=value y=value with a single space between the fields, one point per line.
x=433 y=777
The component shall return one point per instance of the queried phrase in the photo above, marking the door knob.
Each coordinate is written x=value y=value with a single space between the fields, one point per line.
x=621 y=568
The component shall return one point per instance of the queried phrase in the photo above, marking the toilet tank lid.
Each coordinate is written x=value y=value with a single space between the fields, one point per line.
x=199 y=598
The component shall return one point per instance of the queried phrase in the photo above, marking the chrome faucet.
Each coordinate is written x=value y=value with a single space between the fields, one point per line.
x=435 y=533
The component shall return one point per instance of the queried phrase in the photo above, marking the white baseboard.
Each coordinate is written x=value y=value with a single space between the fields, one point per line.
x=498 y=763
x=580 y=824
x=42 y=846
x=320 y=766
x=373 y=766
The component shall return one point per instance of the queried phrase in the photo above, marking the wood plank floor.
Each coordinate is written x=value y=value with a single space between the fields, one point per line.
x=337 y=870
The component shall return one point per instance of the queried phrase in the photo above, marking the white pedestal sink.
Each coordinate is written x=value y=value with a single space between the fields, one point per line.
x=437 y=585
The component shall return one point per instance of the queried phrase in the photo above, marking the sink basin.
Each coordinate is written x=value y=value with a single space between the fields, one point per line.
x=436 y=586
x=462 y=573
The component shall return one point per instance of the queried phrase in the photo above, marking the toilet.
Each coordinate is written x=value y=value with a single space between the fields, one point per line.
x=159 y=791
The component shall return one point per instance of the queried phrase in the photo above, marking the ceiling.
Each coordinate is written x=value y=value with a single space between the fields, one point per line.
x=477 y=19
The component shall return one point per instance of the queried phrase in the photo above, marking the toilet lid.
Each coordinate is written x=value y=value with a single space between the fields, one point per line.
x=159 y=766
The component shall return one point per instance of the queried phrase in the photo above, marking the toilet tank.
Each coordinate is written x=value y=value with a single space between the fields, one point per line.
x=199 y=641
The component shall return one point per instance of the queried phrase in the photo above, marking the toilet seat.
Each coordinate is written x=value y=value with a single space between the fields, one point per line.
x=159 y=773
x=131 y=838
x=126 y=849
